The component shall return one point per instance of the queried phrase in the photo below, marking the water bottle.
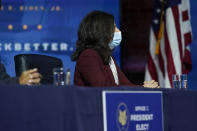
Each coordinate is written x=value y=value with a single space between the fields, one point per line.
x=68 y=77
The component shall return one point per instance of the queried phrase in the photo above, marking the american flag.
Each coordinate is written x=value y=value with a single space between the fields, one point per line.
x=170 y=36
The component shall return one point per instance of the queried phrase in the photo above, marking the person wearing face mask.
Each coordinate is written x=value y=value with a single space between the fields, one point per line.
x=116 y=39
x=95 y=66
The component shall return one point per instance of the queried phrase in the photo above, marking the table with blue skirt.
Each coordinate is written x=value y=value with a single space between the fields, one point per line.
x=72 y=108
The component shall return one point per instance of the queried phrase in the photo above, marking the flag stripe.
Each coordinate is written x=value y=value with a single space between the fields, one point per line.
x=166 y=82
x=152 y=69
x=153 y=65
x=170 y=62
x=185 y=15
x=172 y=40
x=187 y=62
x=188 y=38
x=181 y=45
x=161 y=62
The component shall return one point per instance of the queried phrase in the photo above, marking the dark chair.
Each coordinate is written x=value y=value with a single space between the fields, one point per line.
x=43 y=63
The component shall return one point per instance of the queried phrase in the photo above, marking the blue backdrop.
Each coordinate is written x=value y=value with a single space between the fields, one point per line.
x=193 y=74
x=45 y=27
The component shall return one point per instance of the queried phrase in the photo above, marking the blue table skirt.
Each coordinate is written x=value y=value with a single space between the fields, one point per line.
x=52 y=108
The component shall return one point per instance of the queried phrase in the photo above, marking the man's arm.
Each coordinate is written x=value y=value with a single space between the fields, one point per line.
x=28 y=77
x=5 y=78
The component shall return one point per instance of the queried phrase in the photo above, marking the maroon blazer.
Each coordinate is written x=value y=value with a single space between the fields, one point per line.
x=91 y=71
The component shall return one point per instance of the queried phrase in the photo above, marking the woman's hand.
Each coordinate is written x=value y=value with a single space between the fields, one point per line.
x=151 y=84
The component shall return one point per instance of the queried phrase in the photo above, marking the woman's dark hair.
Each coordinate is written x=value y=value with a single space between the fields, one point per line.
x=95 y=32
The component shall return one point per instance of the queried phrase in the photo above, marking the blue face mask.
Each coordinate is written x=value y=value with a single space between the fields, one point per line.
x=116 y=40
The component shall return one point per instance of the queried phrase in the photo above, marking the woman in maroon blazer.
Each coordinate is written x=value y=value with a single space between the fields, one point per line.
x=97 y=37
